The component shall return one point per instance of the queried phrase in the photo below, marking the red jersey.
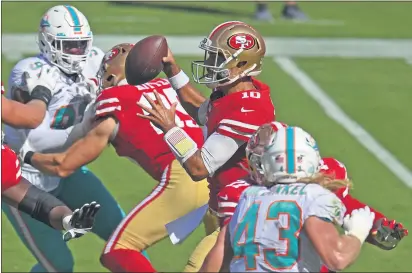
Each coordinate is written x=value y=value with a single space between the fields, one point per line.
x=137 y=138
x=228 y=197
x=10 y=168
x=237 y=115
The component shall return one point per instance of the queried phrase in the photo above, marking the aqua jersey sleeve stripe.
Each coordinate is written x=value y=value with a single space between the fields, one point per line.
x=76 y=20
x=290 y=149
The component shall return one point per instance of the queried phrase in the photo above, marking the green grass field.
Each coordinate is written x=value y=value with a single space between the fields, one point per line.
x=374 y=92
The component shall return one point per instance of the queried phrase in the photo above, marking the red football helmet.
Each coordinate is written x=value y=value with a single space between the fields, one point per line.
x=333 y=166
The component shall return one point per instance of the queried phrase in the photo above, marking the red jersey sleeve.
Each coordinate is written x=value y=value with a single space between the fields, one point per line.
x=108 y=103
x=10 y=168
x=229 y=196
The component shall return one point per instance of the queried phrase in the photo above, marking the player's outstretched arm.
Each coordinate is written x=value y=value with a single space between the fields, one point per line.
x=21 y=115
x=339 y=251
x=81 y=153
x=49 y=210
x=220 y=255
x=190 y=97
x=40 y=205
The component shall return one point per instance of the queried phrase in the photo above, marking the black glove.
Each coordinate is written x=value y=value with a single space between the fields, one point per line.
x=81 y=221
x=387 y=234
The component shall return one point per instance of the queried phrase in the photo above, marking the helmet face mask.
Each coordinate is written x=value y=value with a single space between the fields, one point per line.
x=232 y=51
x=65 y=38
x=255 y=149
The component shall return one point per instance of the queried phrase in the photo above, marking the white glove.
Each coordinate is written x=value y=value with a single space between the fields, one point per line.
x=88 y=87
x=48 y=78
x=359 y=223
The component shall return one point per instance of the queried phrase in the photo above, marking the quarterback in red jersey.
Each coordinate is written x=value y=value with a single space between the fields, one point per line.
x=116 y=122
x=238 y=105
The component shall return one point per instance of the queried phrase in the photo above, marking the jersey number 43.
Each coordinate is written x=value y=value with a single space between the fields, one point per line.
x=246 y=245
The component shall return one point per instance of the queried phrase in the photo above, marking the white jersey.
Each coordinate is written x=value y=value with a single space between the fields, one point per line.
x=65 y=109
x=266 y=231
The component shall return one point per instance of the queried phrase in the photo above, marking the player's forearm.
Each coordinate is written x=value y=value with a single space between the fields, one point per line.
x=40 y=205
x=52 y=164
x=343 y=252
x=57 y=215
x=21 y=115
x=213 y=261
x=195 y=167
x=191 y=99
x=217 y=258
x=189 y=96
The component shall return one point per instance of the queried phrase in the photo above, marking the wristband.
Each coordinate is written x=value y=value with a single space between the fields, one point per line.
x=66 y=222
x=27 y=157
x=181 y=144
x=41 y=93
x=179 y=80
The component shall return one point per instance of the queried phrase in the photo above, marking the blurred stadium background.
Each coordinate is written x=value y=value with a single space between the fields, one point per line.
x=369 y=79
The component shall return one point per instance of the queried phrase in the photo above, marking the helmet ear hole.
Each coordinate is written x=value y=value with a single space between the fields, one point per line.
x=240 y=64
x=109 y=78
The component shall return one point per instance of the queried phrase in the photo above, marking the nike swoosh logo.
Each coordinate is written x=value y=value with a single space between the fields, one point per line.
x=243 y=110
x=224 y=197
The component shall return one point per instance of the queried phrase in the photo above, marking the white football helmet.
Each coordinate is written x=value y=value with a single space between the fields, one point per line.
x=291 y=154
x=65 y=38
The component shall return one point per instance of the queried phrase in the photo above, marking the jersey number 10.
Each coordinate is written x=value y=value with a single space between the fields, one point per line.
x=246 y=246
x=168 y=99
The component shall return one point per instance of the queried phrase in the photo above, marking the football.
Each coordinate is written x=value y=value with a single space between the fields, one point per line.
x=144 y=61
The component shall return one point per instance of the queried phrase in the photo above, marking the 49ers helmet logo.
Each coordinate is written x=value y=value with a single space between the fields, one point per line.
x=241 y=41
x=111 y=54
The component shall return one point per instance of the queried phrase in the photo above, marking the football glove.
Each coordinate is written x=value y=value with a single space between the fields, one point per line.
x=387 y=234
x=80 y=222
x=47 y=77
x=359 y=223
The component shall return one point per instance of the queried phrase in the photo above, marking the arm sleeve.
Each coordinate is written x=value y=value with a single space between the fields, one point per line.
x=217 y=150
x=326 y=206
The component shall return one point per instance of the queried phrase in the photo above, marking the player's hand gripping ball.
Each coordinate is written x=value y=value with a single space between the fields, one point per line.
x=145 y=60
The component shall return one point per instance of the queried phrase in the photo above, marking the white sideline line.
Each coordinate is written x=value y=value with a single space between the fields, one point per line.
x=338 y=115
x=15 y=45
